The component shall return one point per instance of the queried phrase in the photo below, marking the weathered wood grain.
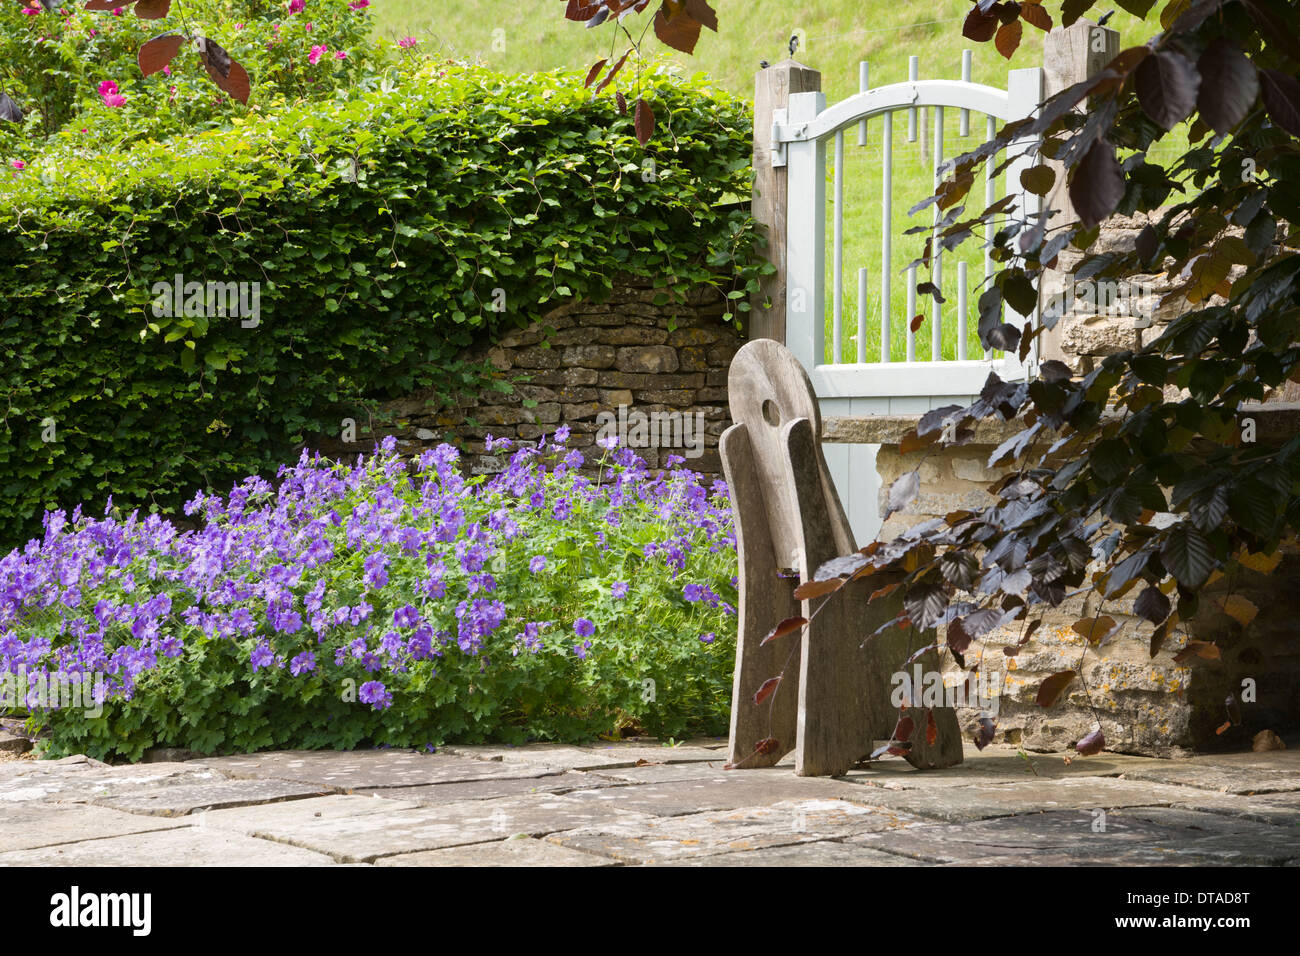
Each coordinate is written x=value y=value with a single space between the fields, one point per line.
x=772 y=89
x=766 y=599
x=836 y=681
x=767 y=387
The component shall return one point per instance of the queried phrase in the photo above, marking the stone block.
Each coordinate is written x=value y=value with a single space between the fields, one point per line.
x=535 y=357
x=631 y=335
x=589 y=356
x=647 y=359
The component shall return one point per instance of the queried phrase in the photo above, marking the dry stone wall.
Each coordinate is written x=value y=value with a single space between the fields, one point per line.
x=654 y=374
x=1158 y=705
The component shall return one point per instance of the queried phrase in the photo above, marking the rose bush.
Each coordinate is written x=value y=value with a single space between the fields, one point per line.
x=52 y=64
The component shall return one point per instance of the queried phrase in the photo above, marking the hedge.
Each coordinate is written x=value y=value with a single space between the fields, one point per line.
x=386 y=227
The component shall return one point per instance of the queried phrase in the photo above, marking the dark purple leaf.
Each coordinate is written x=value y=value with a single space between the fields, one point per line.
x=1093 y=743
x=788 y=626
x=1282 y=99
x=644 y=121
x=9 y=109
x=156 y=53
x=1229 y=86
x=901 y=493
x=1097 y=185
x=1152 y=605
x=1166 y=84
x=1051 y=689
x=925 y=604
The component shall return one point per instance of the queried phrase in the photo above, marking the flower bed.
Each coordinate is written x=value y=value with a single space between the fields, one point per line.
x=391 y=603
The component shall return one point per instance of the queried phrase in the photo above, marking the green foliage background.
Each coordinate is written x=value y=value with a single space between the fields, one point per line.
x=378 y=220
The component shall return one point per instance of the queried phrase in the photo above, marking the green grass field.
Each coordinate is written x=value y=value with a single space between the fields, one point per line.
x=531 y=35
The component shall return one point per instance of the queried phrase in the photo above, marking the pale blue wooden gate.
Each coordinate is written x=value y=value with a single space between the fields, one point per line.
x=873 y=384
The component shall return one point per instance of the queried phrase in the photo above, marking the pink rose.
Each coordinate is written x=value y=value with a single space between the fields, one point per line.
x=18 y=164
x=407 y=42
x=295 y=6
x=316 y=53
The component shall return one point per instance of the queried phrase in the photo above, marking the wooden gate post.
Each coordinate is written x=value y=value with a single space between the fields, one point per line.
x=1070 y=54
x=772 y=89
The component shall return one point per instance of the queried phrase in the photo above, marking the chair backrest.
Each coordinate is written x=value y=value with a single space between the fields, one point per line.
x=767 y=387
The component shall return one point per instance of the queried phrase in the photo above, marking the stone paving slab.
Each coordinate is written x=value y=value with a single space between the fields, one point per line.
x=28 y=825
x=519 y=851
x=995 y=765
x=80 y=780
x=1279 y=809
x=181 y=800
x=1219 y=839
x=1136 y=836
x=817 y=853
x=183 y=846
x=1271 y=772
x=368 y=769
x=1015 y=839
x=440 y=793
x=361 y=837
x=669 y=772
x=710 y=743
x=725 y=790
x=982 y=801
x=588 y=758
x=671 y=839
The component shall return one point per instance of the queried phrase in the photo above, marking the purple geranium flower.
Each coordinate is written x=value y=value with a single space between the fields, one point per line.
x=406 y=616
x=376 y=695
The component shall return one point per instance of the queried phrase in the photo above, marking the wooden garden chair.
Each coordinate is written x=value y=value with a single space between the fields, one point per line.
x=833 y=701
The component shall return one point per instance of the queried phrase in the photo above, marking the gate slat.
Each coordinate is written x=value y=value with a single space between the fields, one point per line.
x=862 y=319
x=965 y=78
x=961 y=312
x=912 y=76
x=864 y=84
x=837 y=324
x=886 y=231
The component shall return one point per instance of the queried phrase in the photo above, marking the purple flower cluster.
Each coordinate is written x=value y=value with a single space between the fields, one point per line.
x=363 y=571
